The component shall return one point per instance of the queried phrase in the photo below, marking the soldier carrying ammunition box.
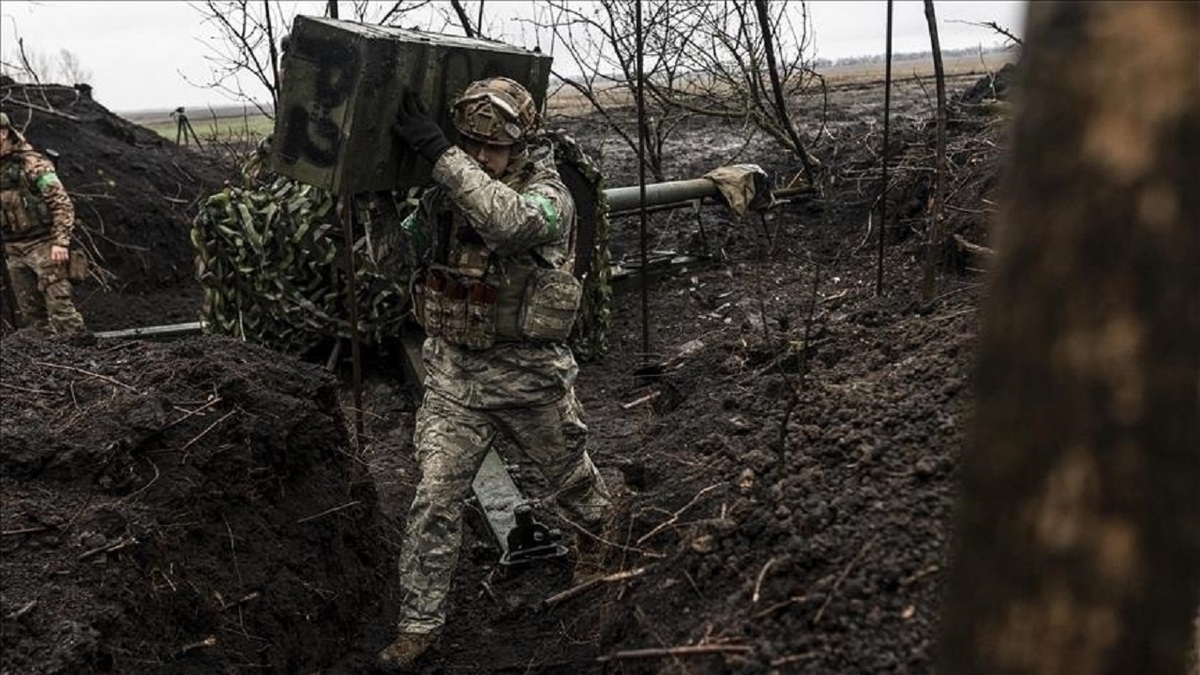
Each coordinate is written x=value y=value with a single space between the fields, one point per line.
x=494 y=245
x=36 y=221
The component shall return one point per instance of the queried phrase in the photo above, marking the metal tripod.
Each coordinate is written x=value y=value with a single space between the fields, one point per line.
x=183 y=127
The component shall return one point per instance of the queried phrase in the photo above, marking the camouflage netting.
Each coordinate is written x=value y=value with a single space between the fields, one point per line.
x=271 y=261
x=583 y=178
x=270 y=256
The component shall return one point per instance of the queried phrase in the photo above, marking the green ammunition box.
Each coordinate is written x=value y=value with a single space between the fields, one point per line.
x=342 y=86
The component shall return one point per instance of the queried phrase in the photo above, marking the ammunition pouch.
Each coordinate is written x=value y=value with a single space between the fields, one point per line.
x=77 y=266
x=470 y=260
x=461 y=311
x=534 y=304
x=549 y=305
x=25 y=215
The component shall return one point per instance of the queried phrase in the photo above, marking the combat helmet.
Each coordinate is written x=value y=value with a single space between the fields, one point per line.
x=4 y=120
x=495 y=110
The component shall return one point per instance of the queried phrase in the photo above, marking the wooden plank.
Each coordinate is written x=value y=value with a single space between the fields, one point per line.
x=498 y=497
x=164 y=332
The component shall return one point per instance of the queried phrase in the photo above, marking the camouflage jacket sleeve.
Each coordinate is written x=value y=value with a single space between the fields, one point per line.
x=49 y=188
x=509 y=222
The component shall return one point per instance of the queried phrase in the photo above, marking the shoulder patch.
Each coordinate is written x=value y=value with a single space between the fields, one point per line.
x=49 y=178
x=547 y=208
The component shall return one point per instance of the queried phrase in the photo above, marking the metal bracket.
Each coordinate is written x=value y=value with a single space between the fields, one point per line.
x=519 y=535
x=531 y=540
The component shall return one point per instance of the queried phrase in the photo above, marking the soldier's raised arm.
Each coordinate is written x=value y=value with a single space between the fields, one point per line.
x=508 y=220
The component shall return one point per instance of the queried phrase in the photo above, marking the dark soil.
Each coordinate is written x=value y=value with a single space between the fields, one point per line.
x=784 y=486
x=181 y=507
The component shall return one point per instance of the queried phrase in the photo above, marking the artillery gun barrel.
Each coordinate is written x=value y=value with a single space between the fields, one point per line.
x=659 y=194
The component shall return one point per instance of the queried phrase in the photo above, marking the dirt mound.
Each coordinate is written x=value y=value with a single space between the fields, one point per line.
x=793 y=532
x=135 y=193
x=976 y=141
x=995 y=86
x=186 y=507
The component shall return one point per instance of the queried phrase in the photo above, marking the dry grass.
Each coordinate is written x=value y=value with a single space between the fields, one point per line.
x=567 y=102
x=210 y=127
x=866 y=73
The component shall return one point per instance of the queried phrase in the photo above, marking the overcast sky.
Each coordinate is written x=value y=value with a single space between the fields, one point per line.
x=154 y=55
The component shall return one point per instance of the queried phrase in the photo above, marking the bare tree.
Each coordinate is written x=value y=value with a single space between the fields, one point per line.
x=463 y=19
x=244 y=60
x=247 y=35
x=70 y=69
x=1076 y=549
x=31 y=65
x=745 y=62
x=28 y=65
x=600 y=43
x=782 y=117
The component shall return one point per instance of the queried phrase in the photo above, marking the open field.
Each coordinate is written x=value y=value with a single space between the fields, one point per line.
x=565 y=101
x=224 y=124
x=238 y=122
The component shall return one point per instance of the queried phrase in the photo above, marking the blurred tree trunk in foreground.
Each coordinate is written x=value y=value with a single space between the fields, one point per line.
x=1076 y=549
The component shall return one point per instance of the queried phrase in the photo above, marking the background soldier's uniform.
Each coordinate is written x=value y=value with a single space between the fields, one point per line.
x=492 y=233
x=35 y=214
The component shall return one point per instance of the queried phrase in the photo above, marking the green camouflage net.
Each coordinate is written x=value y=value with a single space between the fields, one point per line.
x=270 y=257
x=590 y=337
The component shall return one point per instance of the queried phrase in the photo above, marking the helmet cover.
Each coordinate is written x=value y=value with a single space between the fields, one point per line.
x=495 y=110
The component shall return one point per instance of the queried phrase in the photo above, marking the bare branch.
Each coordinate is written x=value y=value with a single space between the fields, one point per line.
x=997 y=28
x=463 y=19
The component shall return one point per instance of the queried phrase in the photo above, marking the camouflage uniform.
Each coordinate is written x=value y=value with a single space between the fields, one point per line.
x=35 y=214
x=521 y=389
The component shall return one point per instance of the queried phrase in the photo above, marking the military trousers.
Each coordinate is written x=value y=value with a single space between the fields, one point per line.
x=451 y=442
x=41 y=288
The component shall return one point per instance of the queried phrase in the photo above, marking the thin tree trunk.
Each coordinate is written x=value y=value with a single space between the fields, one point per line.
x=463 y=18
x=887 y=125
x=934 y=244
x=785 y=120
x=273 y=85
x=1076 y=546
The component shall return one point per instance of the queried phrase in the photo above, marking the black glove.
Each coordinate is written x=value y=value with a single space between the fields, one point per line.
x=415 y=126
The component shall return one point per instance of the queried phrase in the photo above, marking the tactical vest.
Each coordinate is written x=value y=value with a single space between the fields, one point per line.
x=471 y=297
x=23 y=213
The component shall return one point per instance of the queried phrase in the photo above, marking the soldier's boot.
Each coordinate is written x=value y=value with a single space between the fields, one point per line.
x=405 y=650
